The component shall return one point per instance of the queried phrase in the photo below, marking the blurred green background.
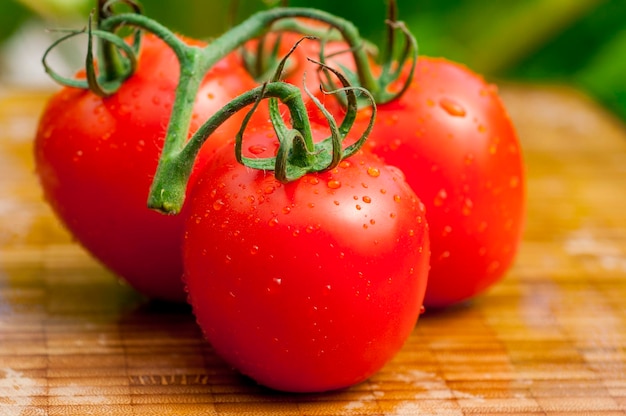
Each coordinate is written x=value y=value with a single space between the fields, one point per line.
x=576 y=42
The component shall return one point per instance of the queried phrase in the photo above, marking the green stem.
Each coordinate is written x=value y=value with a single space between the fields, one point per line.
x=257 y=25
x=168 y=189
x=167 y=193
x=112 y=66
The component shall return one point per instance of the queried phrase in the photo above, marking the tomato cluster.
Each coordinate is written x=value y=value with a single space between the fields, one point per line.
x=288 y=278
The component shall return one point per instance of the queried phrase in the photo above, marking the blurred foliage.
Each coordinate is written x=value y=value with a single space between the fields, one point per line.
x=579 y=42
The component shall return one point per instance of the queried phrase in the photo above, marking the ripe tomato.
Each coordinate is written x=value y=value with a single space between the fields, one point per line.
x=95 y=158
x=311 y=285
x=451 y=136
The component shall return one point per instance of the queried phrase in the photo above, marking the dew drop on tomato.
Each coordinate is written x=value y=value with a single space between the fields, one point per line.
x=218 y=205
x=334 y=184
x=373 y=172
x=440 y=198
x=467 y=207
x=452 y=107
x=257 y=149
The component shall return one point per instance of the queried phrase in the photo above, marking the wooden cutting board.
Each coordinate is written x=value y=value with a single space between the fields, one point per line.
x=550 y=339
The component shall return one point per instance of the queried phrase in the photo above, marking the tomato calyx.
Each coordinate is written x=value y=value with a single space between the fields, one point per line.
x=297 y=155
x=398 y=54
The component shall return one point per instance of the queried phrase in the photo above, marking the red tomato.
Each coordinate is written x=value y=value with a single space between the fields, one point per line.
x=451 y=136
x=311 y=285
x=95 y=158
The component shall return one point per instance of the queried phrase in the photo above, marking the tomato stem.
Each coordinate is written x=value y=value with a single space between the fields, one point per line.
x=112 y=67
x=298 y=154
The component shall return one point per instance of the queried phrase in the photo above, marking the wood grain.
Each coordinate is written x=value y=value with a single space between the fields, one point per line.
x=550 y=339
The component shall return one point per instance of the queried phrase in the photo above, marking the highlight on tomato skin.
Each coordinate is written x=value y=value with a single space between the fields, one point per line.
x=307 y=286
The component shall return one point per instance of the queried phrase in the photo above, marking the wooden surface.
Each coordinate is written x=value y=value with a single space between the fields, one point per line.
x=548 y=340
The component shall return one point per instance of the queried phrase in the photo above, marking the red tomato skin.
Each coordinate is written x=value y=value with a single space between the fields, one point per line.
x=306 y=286
x=452 y=137
x=95 y=158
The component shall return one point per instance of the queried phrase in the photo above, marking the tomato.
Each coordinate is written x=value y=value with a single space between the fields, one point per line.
x=451 y=136
x=311 y=285
x=95 y=158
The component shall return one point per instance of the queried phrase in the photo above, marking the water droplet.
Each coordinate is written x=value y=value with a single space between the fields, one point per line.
x=395 y=144
x=156 y=100
x=440 y=198
x=411 y=233
x=444 y=255
x=372 y=221
x=422 y=309
x=392 y=215
x=218 y=205
x=358 y=207
x=467 y=207
x=430 y=103
x=314 y=180
x=77 y=155
x=286 y=210
x=493 y=266
x=257 y=149
x=273 y=222
x=367 y=199
x=373 y=172
x=446 y=231
x=309 y=229
x=334 y=184
x=227 y=259
x=254 y=249
x=344 y=164
x=514 y=182
x=481 y=128
x=397 y=198
x=210 y=96
x=452 y=107
x=275 y=285
x=311 y=205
